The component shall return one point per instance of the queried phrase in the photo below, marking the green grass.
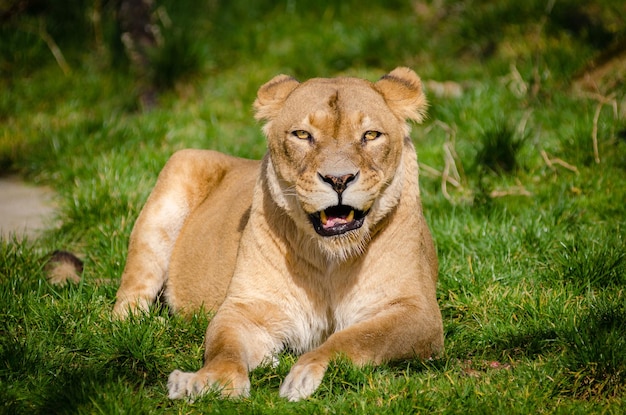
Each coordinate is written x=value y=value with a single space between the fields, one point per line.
x=532 y=254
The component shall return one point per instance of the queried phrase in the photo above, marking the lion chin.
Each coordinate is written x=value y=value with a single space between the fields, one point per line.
x=321 y=247
x=344 y=246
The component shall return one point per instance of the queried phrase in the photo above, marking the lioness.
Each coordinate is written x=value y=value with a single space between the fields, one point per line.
x=320 y=248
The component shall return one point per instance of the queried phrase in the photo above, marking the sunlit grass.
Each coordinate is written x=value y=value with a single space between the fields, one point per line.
x=531 y=236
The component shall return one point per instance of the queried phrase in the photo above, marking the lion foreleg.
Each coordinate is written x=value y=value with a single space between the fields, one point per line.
x=238 y=340
x=389 y=336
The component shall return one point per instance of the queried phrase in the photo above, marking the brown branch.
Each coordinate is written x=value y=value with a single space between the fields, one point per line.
x=52 y=45
x=512 y=191
x=521 y=126
x=594 y=132
x=450 y=173
x=602 y=101
x=515 y=82
x=96 y=18
x=550 y=162
x=54 y=48
x=566 y=165
x=432 y=172
x=449 y=168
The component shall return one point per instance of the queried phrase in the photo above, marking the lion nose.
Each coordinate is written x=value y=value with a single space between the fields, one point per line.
x=339 y=183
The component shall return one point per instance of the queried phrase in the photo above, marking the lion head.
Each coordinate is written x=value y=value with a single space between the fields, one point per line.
x=336 y=150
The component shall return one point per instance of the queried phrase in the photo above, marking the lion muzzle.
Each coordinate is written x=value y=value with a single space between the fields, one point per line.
x=338 y=219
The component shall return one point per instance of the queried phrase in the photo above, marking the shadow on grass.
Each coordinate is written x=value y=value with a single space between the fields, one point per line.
x=592 y=264
x=44 y=385
x=84 y=387
x=589 y=351
x=595 y=352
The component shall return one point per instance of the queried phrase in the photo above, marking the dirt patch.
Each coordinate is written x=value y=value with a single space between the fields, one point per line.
x=25 y=210
x=604 y=74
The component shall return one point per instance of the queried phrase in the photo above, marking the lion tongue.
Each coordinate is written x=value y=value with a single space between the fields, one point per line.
x=329 y=221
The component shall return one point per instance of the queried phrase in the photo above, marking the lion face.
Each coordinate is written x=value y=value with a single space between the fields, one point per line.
x=335 y=152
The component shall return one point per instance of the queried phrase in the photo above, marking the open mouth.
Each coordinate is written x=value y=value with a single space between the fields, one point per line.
x=336 y=220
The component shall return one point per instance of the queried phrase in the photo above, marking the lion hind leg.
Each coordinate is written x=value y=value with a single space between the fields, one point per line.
x=183 y=184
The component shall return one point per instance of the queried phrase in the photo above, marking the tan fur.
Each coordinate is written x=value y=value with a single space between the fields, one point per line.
x=237 y=236
x=63 y=267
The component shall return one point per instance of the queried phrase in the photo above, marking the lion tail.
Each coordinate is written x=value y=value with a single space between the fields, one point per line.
x=63 y=267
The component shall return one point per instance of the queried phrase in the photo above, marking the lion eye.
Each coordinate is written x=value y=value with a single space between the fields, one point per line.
x=371 y=135
x=302 y=135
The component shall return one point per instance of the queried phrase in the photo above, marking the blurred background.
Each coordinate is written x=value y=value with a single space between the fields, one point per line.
x=77 y=75
x=165 y=44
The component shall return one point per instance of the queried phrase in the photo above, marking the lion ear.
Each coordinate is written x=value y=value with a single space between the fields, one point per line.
x=272 y=95
x=402 y=90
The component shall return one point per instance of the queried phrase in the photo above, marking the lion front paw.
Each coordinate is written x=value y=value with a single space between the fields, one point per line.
x=181 y=385
x=303 y=379
x=124 y=307
x=195 y=384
